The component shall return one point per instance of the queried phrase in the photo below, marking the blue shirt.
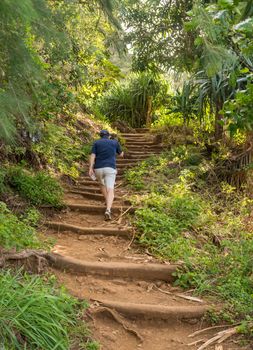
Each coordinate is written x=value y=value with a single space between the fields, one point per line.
x=105 y=151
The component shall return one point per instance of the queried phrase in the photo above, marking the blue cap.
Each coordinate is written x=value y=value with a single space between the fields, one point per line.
x=104 y=133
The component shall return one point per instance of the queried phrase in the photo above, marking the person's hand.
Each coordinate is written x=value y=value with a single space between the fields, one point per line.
x=91 y=172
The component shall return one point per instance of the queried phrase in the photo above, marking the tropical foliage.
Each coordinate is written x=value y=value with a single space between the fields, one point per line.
x=155 y=30
x=134 y=100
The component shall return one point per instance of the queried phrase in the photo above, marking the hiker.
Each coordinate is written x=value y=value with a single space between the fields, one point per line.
x=103 y=166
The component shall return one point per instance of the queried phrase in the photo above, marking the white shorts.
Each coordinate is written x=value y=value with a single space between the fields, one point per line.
x=106 y=176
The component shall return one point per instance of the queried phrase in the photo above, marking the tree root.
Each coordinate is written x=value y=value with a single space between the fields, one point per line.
x=119 y=319
x=40 y=256
x=218 y=338
x=130 y=243
x=122 y=214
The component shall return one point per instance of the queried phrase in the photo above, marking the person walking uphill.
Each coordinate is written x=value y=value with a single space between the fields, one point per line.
x=103 y=166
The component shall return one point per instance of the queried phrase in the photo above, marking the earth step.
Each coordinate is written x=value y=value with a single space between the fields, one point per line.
x=141 y=130
x=152 y=311
x=139 y=142
x=106 y=231
x=87 y=178
x=95 y=209
x=146 y=147
x=140 y=157
x=128 y=160
x=142 y=151
x=90 y=195
x=121 y=171
x=88 y=182
x=125 y=165
x=145 y=155
x=137 y=136
x=92 y=189
x=144 y=272
x=96 y=196
x=84 y=188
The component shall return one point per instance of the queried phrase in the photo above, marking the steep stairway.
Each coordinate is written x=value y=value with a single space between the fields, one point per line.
x=133 y=304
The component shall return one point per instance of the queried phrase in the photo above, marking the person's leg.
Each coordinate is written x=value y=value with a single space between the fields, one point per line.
x=109 y=198
x=104 y=191
x=100 y=178
x=110 y=176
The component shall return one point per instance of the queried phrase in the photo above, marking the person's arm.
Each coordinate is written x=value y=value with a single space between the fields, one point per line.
x=119 y=151
x=92 y=162
x=92 y=159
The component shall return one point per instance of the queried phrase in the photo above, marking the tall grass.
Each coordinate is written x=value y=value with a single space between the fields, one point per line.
x=34 y=314
x=129 y=100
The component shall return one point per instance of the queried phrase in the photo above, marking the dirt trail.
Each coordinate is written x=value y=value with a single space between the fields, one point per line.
x=133 y=304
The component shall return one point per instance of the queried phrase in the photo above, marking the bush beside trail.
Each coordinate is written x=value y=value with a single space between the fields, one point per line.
x=185 y=218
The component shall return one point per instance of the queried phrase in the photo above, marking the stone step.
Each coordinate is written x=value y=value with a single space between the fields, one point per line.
x=105 y=231
x=152 y=311
x=145 y=272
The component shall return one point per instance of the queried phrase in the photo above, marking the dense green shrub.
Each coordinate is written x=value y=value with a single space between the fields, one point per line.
x=34 y=313
x=164 y=218
x=182 y=218
x=62 y=150
x=17 y=233
x=130 y=100
x=39 y=188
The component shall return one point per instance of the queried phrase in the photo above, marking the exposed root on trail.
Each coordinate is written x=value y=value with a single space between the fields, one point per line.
x=118 y=318
x=218 y=338
x=179 y=295
x=123 y=214
x=40 y=257
x=130 y=243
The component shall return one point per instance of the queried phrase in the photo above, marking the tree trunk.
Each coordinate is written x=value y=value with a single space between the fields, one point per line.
x=149 y=111
x=218 y=127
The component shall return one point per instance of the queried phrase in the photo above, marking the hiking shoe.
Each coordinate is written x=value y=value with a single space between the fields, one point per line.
x=108 y=215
